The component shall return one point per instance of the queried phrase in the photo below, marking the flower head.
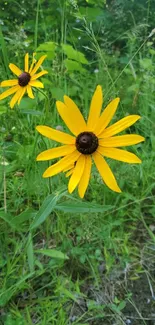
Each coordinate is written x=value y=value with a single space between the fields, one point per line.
x=25 y=80
x=93 y=140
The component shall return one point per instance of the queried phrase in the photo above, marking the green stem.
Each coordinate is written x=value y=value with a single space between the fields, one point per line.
x=36 y=25
x=47 y=103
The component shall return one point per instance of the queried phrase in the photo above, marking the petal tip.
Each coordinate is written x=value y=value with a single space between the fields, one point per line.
x=81 y=195
x=38 y=127
x=69 y=188
x=43 y=57
x=58 y=103
x=141 y=139
x=66 y=98
x=2 y=83
x=138 y=117
x=11 y=106
x=99 y=87
x=45 y=175
x=37 y=158
x=45 y=71
x=118 y=190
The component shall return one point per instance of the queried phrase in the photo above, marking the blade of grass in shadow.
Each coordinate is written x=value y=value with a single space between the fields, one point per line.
x=151 y=234
x=36 y=26
x=4 y=51
x=47 y=207
x=30 y=253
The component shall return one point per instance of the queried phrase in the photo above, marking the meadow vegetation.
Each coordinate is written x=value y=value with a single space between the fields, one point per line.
x=66 y=260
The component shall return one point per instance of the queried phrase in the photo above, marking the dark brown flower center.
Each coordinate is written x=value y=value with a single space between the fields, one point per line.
x=86 y=143
x=24 y=79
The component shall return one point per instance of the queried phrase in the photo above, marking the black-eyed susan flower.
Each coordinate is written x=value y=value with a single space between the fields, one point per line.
x=25 y=80
x=91 y=141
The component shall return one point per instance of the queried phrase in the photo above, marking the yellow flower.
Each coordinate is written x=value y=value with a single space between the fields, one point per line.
x=25 y=81
x=91 y=140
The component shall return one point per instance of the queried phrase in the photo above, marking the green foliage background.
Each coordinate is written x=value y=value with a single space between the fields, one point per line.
x=64 y=260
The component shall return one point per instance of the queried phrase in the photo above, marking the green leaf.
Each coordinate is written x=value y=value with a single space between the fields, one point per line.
x=3 y=109
x=46 y=209
x=91 y=14
x=16 y=222
x=152 y=51
x=32 y=112
x=30 y=253
x=27 y=103
x=73 y=54
x=7 y=217
x=14 y=321
x=114 y=308
x=82 y=207
x=6 y=294
x=53 y=253
x=67 y=293
x=122 y=305
x=57 y=93
x=73 y=65
x=146 y=64
x=47 y=48
x=152 y=138
x=24 y=216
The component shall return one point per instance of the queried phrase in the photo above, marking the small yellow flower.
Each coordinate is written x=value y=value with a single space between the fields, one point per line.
x=25 y=81
x=91 y=140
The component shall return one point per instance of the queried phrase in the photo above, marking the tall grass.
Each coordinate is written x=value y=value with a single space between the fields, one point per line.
x=66 y=261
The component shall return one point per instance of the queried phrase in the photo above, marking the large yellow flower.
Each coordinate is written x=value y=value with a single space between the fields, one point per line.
x=91 y=140
x=25 y=81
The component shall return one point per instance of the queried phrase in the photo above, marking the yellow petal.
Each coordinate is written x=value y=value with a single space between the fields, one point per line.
x=95 y=109
x=41 y=73
x=105 y=172
x=38 y=64
x=29 y=91
x=56 y=152
x=15 y=98
x=9 y=92
x=119 y=154
x=8 y=83
x=33 y=62
x=119 y=126
x=71 y=115
x=23 y=90
x=15 y=69
x=69 y=167
x=70 y=172
x=84 y=181
x=77 y=173
x=26 y=62
x=36 y=83
x=121 y=140
x=106 y=116
x=55 y=134
x=62 y=164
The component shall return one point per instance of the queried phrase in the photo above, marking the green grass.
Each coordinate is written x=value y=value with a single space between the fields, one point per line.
x=64 y=260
